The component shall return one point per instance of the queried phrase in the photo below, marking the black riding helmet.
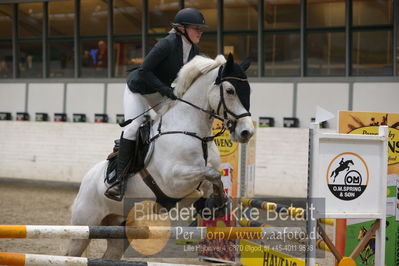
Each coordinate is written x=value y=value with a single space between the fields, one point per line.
x=189 y=16
x=186 y=17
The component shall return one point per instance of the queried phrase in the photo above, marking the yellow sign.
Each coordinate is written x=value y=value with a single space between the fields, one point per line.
x=224 y=143
x=366 y=123
x=393 y=141
x=228 y=157
x=253 y=254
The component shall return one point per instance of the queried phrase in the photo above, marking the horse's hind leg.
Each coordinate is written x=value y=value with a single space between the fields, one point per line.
x=81 y=217
x=115 y=247
x=77 y=247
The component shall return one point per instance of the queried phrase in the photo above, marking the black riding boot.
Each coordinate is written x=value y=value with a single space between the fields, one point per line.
x=126 y=151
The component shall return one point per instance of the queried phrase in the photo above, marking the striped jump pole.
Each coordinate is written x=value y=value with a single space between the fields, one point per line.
x=246 y=222
x=272 y=206
x=326 y=221
x=21 y=259
x=320 y=244
x=142 y=232
x=73 y=232
x=251 y=223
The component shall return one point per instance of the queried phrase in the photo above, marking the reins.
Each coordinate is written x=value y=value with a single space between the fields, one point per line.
x=212 y=114
x=127 y=122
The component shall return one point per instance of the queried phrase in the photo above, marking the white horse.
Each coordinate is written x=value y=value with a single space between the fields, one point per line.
x=177 y=164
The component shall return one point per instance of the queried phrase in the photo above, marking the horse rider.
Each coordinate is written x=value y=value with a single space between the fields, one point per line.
x=151 y=82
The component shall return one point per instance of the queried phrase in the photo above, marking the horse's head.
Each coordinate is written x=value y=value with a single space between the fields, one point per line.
x=230 y=97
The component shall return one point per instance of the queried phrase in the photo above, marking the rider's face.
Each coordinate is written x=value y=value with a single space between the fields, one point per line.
x=194 y=33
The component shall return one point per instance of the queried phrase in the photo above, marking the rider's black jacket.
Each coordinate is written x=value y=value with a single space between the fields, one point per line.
x=160 y=66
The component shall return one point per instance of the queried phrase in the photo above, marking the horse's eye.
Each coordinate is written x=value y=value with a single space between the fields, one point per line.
x=230 y=91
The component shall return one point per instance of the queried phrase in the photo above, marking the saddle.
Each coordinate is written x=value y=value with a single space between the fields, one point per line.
x=138 y=160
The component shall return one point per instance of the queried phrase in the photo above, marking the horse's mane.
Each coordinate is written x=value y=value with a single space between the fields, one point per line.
x=187 y=75
x=196 y=67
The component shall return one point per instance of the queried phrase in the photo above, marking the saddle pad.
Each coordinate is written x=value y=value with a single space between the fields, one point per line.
x=141 y=157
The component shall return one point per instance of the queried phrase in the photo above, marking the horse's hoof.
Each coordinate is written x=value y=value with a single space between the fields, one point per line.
x=116 y=198
x=113 y=196
x=219 y=207
x=212 y=175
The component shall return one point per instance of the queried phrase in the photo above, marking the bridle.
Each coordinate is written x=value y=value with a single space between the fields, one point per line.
x=227 y=122
x=230 y=124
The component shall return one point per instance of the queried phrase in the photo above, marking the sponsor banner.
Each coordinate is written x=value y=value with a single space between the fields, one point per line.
x=254 y=254
x=367 y=123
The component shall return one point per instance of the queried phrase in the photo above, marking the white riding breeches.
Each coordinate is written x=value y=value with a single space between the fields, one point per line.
x=135 y=104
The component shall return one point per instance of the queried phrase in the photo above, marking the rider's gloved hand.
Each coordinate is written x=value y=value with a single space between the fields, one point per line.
x=168 y=92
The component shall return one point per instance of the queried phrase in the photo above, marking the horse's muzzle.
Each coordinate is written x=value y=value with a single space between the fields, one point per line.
x=246 y=134
x=244 y=130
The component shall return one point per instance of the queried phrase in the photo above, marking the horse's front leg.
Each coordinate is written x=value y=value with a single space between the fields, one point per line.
x=210 y=174
x=179 y=180
x=218 y=188
x=215 y=194
x=213 y=175
x=184 y=174
x=214 y=199
x=214 y=160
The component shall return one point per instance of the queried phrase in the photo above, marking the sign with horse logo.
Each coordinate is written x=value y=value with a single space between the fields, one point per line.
x=349 y=172
x=347 y=176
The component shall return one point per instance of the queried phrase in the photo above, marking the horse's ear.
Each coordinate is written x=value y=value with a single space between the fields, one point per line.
x=245 y=64
x=228 y=68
